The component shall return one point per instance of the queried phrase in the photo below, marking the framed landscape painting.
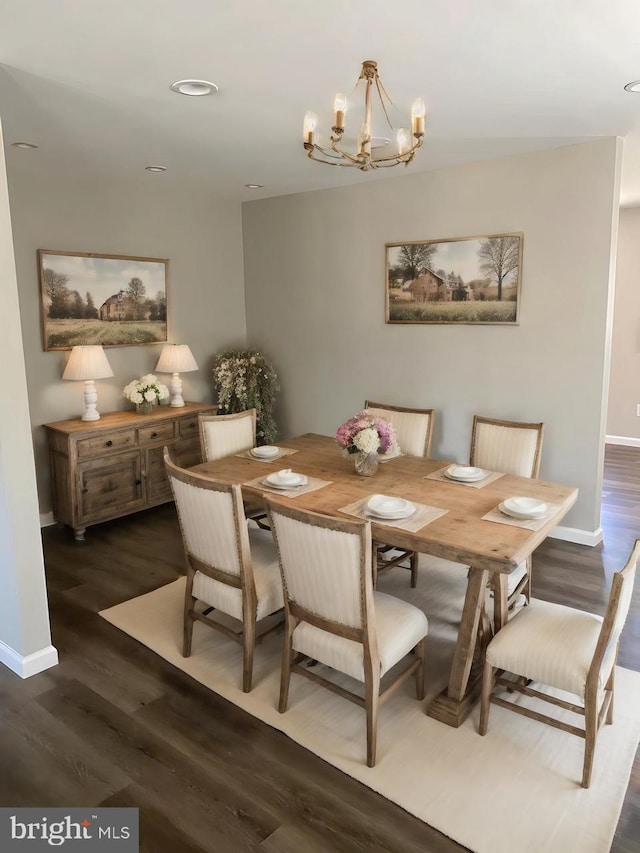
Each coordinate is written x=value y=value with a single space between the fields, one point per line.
x=465 y=280
x=112 y=300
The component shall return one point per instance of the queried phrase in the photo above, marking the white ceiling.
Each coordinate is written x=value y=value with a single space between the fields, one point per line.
x=88 y=81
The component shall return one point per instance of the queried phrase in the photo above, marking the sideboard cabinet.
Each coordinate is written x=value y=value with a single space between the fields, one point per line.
x=114 y=466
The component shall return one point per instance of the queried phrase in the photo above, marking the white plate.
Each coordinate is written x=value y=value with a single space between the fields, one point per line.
x=385 y=506
x=286 y=481
x=464 y=473
x=391 y=454
x=524 y=508
x=266 y=451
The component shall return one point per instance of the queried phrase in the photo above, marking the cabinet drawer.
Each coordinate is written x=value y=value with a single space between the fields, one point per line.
x=154 y=434
x=106 y=443
x=188 y=427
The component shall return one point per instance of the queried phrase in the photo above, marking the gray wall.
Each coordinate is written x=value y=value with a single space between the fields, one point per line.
x=24 y=616
x=624 y=390
x=147 y=216
x=314 y=283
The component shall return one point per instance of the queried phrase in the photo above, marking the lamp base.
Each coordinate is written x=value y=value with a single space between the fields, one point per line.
x=90 y=401
x=175 y=390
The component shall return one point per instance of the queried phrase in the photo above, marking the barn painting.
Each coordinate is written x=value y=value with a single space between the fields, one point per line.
x=465 y=280
x=112 y=300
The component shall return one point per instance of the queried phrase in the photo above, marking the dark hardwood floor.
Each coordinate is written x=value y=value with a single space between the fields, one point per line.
x=115 y=725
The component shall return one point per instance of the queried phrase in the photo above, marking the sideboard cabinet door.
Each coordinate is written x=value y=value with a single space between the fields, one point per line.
x=110 y=486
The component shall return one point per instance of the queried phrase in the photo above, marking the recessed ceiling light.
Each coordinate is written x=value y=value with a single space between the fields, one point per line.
x=156 y=168
x=194 y=88
x=24 y=145
x=633 y=87
x=254 y=186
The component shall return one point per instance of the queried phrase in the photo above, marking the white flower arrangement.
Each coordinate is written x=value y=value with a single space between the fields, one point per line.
x=146 y=389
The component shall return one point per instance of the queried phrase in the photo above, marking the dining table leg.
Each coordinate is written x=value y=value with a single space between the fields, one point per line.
x=453 y=705
x=500 y=601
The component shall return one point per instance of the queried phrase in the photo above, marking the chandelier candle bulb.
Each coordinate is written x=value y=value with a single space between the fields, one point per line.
x=403 y=140
x=418 y=111
x=339 y=108
x=364 y=141
x=309 y=126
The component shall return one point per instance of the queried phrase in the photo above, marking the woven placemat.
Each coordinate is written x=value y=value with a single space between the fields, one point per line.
x=420 y=518
x=527 y=523
x=477 y=484
x=282 y=451
x=312 y=484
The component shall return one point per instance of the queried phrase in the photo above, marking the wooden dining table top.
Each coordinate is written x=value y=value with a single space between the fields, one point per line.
x=461 y=535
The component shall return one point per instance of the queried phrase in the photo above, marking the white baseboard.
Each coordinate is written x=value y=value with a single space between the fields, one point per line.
x=28 y=665
x=46 y=519
x=575 y=534
x=622 y=439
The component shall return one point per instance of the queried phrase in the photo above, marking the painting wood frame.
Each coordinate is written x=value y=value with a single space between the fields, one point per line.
x=112 y=300
x=464 y=280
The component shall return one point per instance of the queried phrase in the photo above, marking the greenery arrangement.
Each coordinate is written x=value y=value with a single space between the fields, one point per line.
x=245 y=379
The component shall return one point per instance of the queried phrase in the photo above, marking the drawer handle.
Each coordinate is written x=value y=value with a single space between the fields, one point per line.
x=154 y=435
x=138 y=482
x=109 y=443
x=85 y=490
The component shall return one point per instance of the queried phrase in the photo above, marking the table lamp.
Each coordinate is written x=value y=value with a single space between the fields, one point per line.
x=88 y=363
x=176 y=359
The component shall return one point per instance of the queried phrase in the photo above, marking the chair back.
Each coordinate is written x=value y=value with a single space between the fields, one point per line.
x=414 y=427
x=511 y=447
x=223 y=435
x=614 y=619
x=212 y=522
x=325 y=565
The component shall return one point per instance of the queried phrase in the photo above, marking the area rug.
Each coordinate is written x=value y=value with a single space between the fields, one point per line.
x=516 y=789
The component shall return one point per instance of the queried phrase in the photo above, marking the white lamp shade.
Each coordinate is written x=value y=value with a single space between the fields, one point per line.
x=176 y=358
x=87 y=362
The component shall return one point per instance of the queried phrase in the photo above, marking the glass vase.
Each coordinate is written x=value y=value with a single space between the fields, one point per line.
x=145 y=407
x=366 y=464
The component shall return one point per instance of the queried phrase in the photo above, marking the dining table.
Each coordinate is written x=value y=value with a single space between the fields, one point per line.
x=460 y=532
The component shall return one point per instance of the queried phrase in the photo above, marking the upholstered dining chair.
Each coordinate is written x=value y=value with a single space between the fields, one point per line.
x=230 y=567
x=566 y=649
x=414 y=427
x=414 y=431
x=512 y=447
x=224 y=435
x=333 y=615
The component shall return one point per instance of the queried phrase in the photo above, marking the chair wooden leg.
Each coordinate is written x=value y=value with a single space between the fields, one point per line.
x=285 y=672
x=419 y=651
x=372 y=689
x=611 y=683
x=189 y=604
x=414 y=570
x=248 y=645
x=591 y=732
x=488 y=680
x=527 y=588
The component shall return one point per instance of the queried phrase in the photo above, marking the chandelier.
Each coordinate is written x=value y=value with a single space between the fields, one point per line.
x=365 y=156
